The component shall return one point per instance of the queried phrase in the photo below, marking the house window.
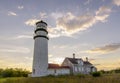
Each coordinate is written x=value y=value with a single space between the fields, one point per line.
x=79 y=69
x=82 y=69
x=76 y=69
x=80 y=62
x=55 y=71
x=88 y=69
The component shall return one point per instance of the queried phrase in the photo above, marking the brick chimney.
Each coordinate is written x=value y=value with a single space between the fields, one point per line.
x=86 y=58
x=74 y=55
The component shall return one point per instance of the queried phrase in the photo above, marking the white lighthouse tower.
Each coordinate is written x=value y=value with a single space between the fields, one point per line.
x=40 y=59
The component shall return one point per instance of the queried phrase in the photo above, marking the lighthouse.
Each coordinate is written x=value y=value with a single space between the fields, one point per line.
x=40 y=58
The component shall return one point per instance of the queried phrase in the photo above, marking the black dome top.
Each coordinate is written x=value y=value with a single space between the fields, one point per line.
x=41 y=22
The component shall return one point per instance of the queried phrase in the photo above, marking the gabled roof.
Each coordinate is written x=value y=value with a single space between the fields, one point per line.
x=87 y=63
x=56 y=66
x=74 y=60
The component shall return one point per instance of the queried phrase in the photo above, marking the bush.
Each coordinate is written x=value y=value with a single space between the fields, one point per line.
x=10 y=72
x=96 y=74
x=117 y=70
x=50 y=75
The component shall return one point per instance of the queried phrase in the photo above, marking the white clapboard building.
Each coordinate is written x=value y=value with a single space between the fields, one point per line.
x=78 y=65
x=40 y=58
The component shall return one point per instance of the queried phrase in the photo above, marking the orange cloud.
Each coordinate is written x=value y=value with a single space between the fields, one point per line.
x=31 y=22
x=116 y=2
x=105 y=49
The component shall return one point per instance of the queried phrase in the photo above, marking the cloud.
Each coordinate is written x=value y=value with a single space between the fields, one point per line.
x=20 y=7
x=31 y=22
x=68 y=24
x=107 y=66
x=105 y=49
x=116 y=2
x=16 y=37
x=91 y=59
x=56 y=15
x=10 y=13
x=29 y=58
x=87 y=2
x=15 y=49
x=72 y=24
x=43 y=15
x=50 y=55
x=103 y=13
x=54 y=32
x=57 y=32
x=103 y=10
x=23 y=36
x=56 y=60
x=60 y=46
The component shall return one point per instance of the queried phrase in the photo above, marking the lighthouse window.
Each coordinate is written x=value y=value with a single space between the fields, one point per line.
x=38 y=27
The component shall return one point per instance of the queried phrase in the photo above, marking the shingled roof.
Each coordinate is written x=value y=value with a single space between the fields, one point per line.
x=75 y=61
x=87 y=63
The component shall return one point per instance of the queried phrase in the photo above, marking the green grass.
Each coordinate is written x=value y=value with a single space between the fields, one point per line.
x=108 y=78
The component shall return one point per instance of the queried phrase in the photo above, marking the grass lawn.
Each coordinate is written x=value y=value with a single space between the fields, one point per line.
x=111 y=78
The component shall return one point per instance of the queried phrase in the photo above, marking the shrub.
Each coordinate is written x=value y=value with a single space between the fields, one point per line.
x=117 y=70
x=96 y=74
x=10 y=72
x=50 y=75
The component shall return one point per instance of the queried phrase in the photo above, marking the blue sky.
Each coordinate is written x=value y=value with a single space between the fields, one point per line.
x=88 y=28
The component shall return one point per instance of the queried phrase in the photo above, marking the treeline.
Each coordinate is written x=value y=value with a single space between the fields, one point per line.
x=14 y=72
x=111 y=71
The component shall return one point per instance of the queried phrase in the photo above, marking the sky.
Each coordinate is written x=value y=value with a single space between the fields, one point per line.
x=88 y=28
